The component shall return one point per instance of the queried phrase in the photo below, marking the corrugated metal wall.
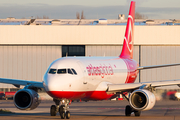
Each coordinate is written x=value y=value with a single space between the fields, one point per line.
x=31 y=62
x=157 y=55
x=26 y=62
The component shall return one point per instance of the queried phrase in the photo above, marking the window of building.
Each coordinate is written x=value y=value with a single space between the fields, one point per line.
x=73 y=50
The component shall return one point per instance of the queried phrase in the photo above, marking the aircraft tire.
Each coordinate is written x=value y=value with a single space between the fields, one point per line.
x=62 y=112
x=61 y=108
x=68 y=115
x=137 y=113
x=62 y=115
x=53 y=110
x=128 y=110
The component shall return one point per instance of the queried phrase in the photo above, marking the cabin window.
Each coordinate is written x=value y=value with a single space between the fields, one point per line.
x=52 y=71
x=61 y=71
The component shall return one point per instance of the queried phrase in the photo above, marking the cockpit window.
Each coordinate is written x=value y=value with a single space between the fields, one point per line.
x=70 y=72
x=74 y=71
x=61 y=71
x=52 y=71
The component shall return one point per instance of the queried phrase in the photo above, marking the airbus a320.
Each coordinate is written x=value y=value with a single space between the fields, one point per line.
x=92 y=78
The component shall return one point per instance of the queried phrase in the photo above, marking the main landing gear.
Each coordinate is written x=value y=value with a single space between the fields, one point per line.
x=129 y=110
x=63 y=109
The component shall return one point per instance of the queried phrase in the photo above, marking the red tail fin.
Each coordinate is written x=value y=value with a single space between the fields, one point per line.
x=127 y=50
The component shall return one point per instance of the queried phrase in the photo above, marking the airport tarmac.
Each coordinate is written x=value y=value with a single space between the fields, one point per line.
x=94 y=110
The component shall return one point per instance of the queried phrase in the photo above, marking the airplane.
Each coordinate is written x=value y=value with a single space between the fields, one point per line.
x=92 y=78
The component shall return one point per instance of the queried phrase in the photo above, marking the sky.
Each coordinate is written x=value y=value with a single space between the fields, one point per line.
x=93 y=9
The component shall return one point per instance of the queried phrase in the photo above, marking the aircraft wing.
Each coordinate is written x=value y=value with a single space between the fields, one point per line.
x=132 y=86
x=17 y=82
x=156 y=66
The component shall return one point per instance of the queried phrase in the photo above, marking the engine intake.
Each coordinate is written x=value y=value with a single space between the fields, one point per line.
x=142 y=99
x=26 y=99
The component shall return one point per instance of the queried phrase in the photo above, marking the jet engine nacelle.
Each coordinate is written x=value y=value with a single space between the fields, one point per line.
x=142 y=99
x=26 y=99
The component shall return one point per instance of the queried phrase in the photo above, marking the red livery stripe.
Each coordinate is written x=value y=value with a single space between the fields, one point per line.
x=90 y=95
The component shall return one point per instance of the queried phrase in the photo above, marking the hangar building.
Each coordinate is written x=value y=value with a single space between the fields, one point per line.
x=26 y=51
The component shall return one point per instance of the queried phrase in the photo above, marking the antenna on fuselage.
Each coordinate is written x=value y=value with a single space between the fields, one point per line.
x=66 y=54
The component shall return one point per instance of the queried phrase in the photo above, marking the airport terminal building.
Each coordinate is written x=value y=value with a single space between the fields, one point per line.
x=27 y=47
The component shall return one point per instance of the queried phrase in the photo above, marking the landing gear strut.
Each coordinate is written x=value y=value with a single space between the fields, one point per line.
x=63 y=110
x=129 y=110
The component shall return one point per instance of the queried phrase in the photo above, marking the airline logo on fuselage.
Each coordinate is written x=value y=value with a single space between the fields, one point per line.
x=100 y=70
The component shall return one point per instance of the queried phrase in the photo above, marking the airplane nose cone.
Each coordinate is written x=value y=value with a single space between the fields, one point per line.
x=50 y=83
x=57 y=87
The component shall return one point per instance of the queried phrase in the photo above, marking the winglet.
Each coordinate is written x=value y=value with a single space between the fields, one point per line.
x=127 y=50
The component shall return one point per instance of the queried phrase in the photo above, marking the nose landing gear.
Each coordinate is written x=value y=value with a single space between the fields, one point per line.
x=63 y=109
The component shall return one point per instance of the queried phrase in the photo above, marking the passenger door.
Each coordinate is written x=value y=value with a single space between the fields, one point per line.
x=83 y=72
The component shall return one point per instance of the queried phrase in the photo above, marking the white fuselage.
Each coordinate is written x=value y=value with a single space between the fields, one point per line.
x=92 y=74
